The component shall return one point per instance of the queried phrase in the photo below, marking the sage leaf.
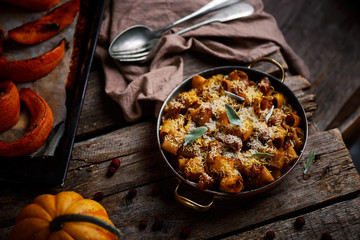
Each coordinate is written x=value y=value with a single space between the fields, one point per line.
x=232 y=116
x=234 y=96
x=308 y=162
x=259 y=154
x=195 y=134
x=269 y=114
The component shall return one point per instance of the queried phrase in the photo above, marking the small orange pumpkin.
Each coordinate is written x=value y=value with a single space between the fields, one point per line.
x=66 y=215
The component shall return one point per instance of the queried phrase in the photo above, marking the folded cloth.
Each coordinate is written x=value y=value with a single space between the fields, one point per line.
x=141 y=88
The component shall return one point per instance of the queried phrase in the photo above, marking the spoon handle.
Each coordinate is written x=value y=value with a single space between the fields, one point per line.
x=209 y=7
x=236 y=11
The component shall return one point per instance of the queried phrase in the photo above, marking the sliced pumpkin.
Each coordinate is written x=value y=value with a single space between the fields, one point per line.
x=47 y=26
x=39 y=130
x=9 y=105
x=37 y=5
x=34 y=68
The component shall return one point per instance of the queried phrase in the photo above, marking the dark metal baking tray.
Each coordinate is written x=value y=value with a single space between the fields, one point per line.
x=51 y=170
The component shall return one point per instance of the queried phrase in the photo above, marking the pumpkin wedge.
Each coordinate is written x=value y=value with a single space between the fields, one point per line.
x=9 y=105
x=37 y=5
x=40 y=126
x=34 y=68
x=47 y=26
x=66 y=215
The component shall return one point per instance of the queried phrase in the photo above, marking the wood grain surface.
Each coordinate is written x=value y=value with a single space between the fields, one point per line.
x=327 y=197
x=332 y=178
x=332 y=181
x=340 y=220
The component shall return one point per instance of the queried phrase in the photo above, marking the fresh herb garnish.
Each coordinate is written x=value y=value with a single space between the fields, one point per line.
x=308 y=162
x=195 y=134
x=234 y=96
x=269 y=114
x=259 y=154
x=232 y=116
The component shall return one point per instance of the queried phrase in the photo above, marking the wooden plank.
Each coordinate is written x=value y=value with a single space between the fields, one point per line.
x=341 y=220
x=300 y=86
x=308 y=103
x=122 y=142
x=99 y=112
x=331 y=173
x=297 y=82
x=350 y=128
x=331 y=176
x=348 y=119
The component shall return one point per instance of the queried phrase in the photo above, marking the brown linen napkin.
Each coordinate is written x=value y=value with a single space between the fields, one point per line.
x=141 y=88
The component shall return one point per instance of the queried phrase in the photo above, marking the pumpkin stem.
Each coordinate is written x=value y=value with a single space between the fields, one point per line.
x=58 y=223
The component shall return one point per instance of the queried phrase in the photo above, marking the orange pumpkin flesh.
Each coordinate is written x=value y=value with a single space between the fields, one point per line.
x=40 y=219
x=47 y=26
x=9 y=105
x=38 y=5
x=34 y=68
x=40 y=127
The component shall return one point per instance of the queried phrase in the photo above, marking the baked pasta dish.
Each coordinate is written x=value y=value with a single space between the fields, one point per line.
x=231 y=134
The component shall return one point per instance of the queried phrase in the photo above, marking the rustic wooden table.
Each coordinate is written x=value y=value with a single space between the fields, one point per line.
x=327 y=198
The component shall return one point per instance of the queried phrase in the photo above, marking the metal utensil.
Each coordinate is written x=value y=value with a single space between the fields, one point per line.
x=133 y=38
x=229 y=13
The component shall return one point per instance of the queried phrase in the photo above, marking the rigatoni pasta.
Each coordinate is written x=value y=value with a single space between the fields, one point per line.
x=231 y=156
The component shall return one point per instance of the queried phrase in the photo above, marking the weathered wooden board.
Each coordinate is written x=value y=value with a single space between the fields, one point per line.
x=341 y=220
x=99 y=112
x=348 y=119
x=328 y=197
x=332 y=176
x=350 y=128
x=297 y=82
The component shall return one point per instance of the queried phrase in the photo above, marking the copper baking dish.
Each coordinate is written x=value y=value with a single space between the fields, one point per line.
x=256 y=76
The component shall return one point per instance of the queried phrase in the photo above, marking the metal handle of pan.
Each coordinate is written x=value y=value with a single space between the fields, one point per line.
x=190 y=203
x=267 y=59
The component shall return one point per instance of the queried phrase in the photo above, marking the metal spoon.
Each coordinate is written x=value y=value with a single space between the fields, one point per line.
x=233 y=12
x=136 y=37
